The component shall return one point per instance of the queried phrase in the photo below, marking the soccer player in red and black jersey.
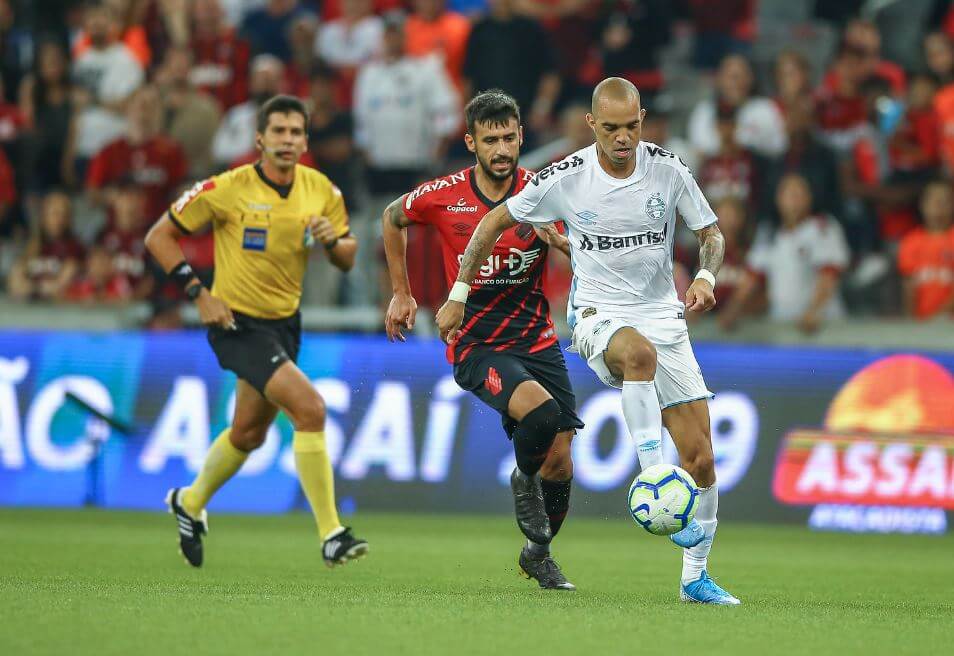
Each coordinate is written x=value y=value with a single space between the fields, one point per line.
x=507 y=352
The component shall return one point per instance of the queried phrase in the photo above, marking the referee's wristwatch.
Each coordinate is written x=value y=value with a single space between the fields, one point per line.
x=192 y=291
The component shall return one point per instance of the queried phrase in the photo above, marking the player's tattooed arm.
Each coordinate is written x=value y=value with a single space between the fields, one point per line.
x=481 y=245
x=700 y=297
x=402 y=309
x=482 y=242
x=711 y=248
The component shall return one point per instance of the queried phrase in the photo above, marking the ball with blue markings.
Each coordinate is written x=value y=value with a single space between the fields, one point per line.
x=663 y=499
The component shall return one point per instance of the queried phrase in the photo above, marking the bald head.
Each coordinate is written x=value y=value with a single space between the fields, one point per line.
x=614 y=90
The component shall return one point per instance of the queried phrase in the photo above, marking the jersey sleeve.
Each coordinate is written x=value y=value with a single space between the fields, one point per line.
x=830 y=249
x=538 y=203
x=692 y=204
x=337 y=213
x=417 y=205
x=196 y=207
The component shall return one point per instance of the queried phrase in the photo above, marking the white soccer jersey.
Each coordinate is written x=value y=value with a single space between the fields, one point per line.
x=621 y=231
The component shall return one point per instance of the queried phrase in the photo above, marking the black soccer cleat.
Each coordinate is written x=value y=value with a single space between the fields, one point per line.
x=529 y=507
x=544 y=571
x=190 y=530
x=342 y=547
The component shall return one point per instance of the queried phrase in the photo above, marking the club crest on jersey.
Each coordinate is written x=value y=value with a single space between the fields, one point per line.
x=655 y=207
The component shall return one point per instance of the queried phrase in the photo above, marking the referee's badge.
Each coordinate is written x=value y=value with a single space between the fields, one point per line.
x=253 y=239
x=656 y=207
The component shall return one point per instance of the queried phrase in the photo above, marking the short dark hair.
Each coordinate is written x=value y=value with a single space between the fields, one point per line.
x=280 y=105
x=492 y=107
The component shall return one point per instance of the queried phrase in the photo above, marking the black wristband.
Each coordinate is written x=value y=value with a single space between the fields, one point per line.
x=328 y=247
x=182 y=274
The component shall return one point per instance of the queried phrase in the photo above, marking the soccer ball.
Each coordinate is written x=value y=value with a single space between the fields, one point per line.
x=662 y=499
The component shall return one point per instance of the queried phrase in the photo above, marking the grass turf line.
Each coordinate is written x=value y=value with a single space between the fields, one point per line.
x=97 y=582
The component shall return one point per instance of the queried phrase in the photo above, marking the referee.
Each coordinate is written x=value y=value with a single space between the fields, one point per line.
x=266 y=217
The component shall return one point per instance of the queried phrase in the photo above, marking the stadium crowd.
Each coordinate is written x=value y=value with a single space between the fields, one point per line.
x=830 y=167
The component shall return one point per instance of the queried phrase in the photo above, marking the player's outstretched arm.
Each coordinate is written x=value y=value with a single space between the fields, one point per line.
x=481 y=245
x=402 y=309
x=700 y=297
x=162 y=240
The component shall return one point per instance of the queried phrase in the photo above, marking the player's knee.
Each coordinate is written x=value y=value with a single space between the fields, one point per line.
x=248 y=438
x=544 y=419
x=309 y=414
x=640 y=360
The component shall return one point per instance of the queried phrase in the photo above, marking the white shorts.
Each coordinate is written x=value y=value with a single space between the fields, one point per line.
x=678 y=376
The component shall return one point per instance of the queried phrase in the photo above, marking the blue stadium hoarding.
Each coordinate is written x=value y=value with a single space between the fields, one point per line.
x=402 y=435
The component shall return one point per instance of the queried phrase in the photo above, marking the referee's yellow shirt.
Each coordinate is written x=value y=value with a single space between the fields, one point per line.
x=259 y=231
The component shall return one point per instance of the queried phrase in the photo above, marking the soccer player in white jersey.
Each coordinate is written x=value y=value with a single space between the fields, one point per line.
x=619 y=198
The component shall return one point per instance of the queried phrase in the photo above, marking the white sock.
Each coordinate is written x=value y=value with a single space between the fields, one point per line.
x=694 y=559
x=644 y=420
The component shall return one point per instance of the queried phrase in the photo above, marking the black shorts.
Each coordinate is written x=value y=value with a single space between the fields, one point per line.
x=258 y=347
x=493 y=376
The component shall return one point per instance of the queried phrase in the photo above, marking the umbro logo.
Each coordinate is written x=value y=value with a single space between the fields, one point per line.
x=461 y=227
x=493 y=383
x=276 y=358
x=586 y=217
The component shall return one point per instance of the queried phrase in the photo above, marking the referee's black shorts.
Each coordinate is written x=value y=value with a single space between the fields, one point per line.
x=494 y=375
x=258 y=347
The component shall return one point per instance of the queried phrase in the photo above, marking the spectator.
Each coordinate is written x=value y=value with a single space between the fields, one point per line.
x=352 y=40
x=806 y=156
x=432 y=29
x=800 y=263
x=11 y=220
x=267 y=28
x=631 y=36
x=46 y=108
x=236 y=134
x=737 y=231
x=99 y=282
x=52 y=258
x=16 y=51
x=840 y=103
x=123 y=239
x=495 y=43
x=722 y=28
x=153 y=160
x=106 y=74
x=793 y=79
x=863 y=36
x=190 y=118
x=331 y=136
x=220 y=56
x=405 y=110
x=926 y=256
x=939 y=57
x=913 y=147
x=125 y=30
x=758 y=120
x=302 y=63
x=732 y=172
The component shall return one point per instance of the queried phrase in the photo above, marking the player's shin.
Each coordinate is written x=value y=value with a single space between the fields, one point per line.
x=221 y=463
x=644 y=420
x=556 y=499
x=695 y=558
x=317 y=479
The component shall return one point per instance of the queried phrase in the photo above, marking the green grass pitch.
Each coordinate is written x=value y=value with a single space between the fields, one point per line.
x=96 y=582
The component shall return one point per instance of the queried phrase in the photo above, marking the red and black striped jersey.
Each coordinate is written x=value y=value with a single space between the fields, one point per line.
x=507 y=308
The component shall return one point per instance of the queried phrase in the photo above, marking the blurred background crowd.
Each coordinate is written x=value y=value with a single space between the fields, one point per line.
x=821 y=132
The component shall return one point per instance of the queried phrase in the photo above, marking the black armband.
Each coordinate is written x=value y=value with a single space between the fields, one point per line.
x=182 y=274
